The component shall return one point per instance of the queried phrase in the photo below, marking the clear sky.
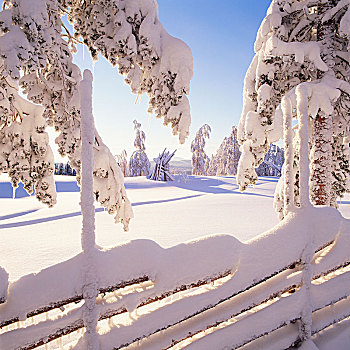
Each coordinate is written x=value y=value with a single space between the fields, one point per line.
x=221 y=35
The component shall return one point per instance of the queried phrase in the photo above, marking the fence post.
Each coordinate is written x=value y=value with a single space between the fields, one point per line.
x=304 y=175
x=90 y=291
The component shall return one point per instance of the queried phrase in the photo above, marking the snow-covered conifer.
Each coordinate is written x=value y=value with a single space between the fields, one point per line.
x=200 y=160
x=298 y=43
x=64 y=169
x=139 y=164
x=216 y=159
x=122 y=161
x=221 y=158
x=273 y=162
x=225 y=161
x=36 y=53
x=341 y=169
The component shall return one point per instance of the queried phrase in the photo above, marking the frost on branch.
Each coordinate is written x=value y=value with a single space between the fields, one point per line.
x=129 y=34
x=300 y=42
x=200 y=160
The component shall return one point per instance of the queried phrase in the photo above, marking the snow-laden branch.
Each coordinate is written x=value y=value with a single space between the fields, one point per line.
x=130 y=35
x=311 y=50
x=34 y=51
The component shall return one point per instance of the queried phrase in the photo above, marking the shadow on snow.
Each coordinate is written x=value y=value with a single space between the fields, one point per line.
x=70 y=215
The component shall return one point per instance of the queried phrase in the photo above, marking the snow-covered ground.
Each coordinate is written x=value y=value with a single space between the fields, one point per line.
x=34 y=236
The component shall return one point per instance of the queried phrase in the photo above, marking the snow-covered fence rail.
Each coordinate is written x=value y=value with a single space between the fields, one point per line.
x=209 y=294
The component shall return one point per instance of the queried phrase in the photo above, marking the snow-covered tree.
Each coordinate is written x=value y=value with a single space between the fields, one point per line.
x=273 y=162
x=301 y=60
x=122 y=161
x=225 y=161
x=216 y=159
x=200 y=160
x=139 y=164
x=36 y=56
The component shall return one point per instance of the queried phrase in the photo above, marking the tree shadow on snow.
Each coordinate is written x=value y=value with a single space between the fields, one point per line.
x=206 y=185
x=15 y=215
x=6 y=190
x=74 y=214
x=212 y=185
x=165 y=200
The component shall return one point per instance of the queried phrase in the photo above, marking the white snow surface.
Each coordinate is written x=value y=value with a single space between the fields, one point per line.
x=34 y=237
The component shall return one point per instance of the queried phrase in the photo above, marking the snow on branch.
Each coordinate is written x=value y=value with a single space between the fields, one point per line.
x=129 y=34
x=277 y=47
x=25 y=153
x=36 y=51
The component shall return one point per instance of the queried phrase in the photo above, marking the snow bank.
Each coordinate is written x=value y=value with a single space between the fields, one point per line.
x=196 y=260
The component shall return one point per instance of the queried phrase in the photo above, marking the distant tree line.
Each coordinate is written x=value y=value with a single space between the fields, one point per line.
x=225 y=161
x=64 y=169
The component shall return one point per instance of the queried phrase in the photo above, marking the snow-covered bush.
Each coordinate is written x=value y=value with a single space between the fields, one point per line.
x=200 y=160
x=301 y=57
x=225 y=161
x=36 y=55
x=139 y=164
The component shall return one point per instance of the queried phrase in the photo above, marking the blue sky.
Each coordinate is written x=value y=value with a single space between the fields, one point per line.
x=221 y=36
